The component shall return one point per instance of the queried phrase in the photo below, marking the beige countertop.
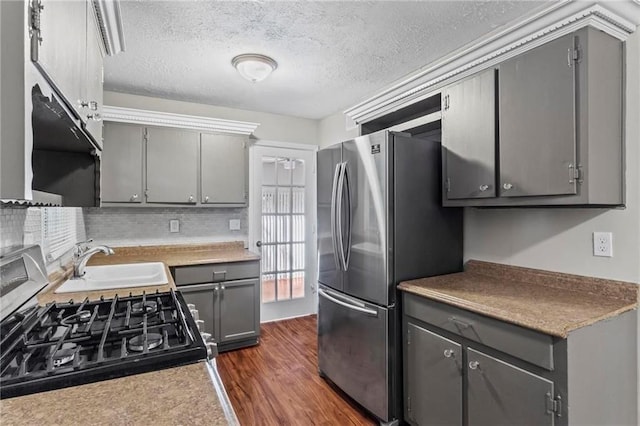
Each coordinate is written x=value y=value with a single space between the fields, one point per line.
x=170 y=255
x=549 y=302
x=187 y=395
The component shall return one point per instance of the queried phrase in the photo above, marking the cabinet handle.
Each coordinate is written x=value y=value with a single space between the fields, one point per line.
x=474 y=365
x=449 y=353
x=483 y=187
x=507 y=186
x=569 y=57
x=459 y=324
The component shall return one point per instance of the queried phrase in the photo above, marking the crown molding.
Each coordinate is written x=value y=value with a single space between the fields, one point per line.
x=537 y=28
x=110 y=24
x=166 y=119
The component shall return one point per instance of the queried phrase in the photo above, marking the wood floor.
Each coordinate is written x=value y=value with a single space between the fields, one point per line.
x=277 y=382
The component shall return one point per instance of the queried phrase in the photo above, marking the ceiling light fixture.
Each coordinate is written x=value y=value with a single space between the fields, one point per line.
x=254 y=67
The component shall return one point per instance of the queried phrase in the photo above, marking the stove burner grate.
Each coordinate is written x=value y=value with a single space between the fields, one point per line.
x=136 y=343
x=147 y=307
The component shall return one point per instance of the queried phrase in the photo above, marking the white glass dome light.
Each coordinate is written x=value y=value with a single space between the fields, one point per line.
x=254 y=67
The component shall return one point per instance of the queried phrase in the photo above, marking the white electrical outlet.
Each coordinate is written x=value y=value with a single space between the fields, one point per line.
x=174 y=225
x=234 y=224
x=603 y=244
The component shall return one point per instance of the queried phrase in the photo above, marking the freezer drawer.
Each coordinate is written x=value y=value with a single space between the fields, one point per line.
x=353 y=349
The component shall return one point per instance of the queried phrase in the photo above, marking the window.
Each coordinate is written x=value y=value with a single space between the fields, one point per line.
x=58 y=231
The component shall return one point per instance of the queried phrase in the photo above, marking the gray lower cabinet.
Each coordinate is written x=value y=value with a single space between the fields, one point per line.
x=222 y=169
x=462 y=368
x=122 y=157
x=172 y=156
x=227 y=297
x=432 y=358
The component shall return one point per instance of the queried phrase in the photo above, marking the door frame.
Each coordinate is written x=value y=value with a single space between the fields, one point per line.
x=255 y=229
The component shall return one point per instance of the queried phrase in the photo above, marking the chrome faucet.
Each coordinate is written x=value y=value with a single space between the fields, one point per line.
x=82 y=256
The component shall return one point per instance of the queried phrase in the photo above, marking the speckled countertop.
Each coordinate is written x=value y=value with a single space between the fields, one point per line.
x=170 y=255
x=549 y=302
x=182 y=395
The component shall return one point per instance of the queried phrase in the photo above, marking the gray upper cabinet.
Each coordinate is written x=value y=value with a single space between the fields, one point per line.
x=122 y=163
x=172 y=156
x=61 y=53
x=469 y=137
x=222 y=169
x=537 y=121
x=430 y=359
x=91 y=101
x=559 y=136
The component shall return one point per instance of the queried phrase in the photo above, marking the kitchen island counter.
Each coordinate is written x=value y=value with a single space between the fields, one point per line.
x=188 y=395
x=548 y=302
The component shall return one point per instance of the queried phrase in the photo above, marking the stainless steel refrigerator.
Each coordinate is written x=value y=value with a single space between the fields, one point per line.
x=380 y=222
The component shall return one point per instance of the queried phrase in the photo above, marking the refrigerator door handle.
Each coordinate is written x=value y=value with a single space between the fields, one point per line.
x=346 y=182
x=326 y=295
x=334 y=194
x=340 y=193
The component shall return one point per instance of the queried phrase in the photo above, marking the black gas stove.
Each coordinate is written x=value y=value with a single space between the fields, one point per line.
x=66 y=344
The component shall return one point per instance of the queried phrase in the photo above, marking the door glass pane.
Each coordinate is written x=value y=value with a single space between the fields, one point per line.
x=283 y=229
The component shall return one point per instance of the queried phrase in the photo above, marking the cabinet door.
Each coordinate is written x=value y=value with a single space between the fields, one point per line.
x=203 y=297
x=469 y=137
x=239 y=309
x=537 y=121
x=61 y=54
x=433 y=376
x=122 y=163
x=92 y=97
x=172 y=160
x=502 y=394
x=222 y=169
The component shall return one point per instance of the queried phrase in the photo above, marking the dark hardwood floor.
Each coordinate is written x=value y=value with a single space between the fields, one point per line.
x=277 y=382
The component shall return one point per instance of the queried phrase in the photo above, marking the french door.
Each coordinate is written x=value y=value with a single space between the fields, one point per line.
x=282 y=216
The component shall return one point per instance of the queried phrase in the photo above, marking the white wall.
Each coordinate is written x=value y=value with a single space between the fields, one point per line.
x=332 y=129
x=561 y=239
x=274 y=127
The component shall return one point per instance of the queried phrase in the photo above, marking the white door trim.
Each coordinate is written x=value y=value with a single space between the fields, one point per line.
x=287 y=145
x=255 y=204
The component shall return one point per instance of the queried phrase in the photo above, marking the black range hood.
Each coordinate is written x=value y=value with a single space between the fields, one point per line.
x=65 y=159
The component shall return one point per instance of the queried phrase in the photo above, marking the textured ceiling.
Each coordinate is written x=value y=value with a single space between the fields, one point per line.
x=331 y=55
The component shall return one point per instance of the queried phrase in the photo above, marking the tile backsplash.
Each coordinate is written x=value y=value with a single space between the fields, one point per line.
x=12 y=221
x=122 y=226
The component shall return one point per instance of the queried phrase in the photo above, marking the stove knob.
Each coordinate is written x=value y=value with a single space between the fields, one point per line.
x=191 y=306
x=212 y=350
x=206 y=337
x=195 y=314
x=200 y=324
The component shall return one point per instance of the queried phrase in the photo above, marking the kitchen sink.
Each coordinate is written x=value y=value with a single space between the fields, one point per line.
x=116 y=276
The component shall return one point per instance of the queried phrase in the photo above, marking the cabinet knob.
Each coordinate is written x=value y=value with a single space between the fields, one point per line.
x=507 y=186
x=222 y=287
x=483 y=187
x=191 y=198
x=449 y=353
x=93 y=106
x=474 y=365
x=134 y=197
x=206 y=199
x=94 y=117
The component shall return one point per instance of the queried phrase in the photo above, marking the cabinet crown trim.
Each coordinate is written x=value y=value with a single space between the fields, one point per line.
x=181 y=121
x=110 y=23
x=619 y=19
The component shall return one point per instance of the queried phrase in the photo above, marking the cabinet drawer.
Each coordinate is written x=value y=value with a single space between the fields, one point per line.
x=218 y=272
x=528 y=345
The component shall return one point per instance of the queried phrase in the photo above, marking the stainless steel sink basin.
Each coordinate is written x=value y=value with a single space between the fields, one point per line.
x=117 y=276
